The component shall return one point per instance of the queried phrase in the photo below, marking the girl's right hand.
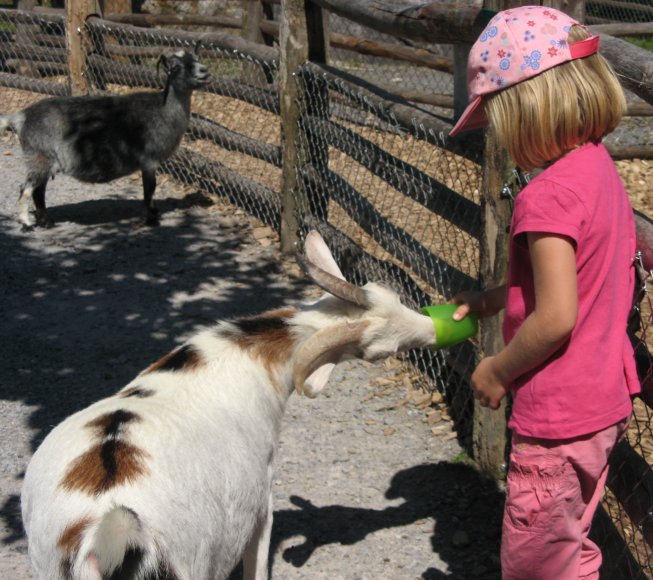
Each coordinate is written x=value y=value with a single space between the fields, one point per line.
x=484 y=303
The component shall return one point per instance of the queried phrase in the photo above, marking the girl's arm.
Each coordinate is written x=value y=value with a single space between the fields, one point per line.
x=545 y=329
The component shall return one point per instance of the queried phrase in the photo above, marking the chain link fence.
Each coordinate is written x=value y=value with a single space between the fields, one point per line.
x=395 y=199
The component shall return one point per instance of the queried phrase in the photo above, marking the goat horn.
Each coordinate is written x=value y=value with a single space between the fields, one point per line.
x=328 y=345
x=334 y=285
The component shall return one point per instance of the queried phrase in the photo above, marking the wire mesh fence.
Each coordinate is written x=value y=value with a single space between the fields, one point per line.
x=396 y=200
x=607 y=11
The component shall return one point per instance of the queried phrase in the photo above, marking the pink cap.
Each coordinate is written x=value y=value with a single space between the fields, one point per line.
x=516 y=45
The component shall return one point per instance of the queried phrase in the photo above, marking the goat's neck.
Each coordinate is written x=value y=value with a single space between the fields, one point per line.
x=173 y=98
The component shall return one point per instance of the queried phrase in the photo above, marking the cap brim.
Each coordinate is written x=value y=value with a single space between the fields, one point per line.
x=473 y=117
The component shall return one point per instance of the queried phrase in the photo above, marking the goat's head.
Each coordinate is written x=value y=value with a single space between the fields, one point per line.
x=183 y=69
x=382 y=325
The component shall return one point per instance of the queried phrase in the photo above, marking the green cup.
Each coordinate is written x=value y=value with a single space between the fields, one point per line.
x=447 y=330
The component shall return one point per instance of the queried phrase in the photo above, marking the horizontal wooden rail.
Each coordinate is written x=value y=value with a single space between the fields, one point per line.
x=443 y=277
x=33 y=85
x=265 y=55
x=407 y=179
x=202 y=128
x=195 y=169
x=417 y=56
x=386 y=106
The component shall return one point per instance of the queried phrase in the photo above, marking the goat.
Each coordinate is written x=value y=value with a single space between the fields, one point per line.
x=97 y=139
x=171 y=477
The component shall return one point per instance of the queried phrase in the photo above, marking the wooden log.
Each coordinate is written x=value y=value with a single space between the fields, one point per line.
x=624 y=28
x=43 y=67
x=444 y=278
x=256 y=12
x=193 y=169
x=151 y=20
x=34 y=85
x=202 y=128
x=297 y=38
x=621 y=5
x=33 y=52
x=634 y=66
x=435 y=22
x=462 y=23
x=143 y=76
x=387 y=106
x=266 y=56
x=406 y=178
x=433 y=99
x=631 y=481
x=418 y=56
x=77 y=14
x=639 y=109
x=618 y=151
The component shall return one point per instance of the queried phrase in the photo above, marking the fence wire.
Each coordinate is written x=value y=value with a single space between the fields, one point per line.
x=407 y=201
x=400 y=204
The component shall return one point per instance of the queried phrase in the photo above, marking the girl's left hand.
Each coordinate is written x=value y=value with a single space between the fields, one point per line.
x=487 y=385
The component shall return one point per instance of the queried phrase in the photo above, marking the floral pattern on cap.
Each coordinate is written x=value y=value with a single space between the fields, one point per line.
x=517 y=44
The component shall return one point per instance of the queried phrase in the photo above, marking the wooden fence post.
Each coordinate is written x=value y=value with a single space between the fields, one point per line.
x=255 y=12
x=299 y=36
x=77 y=12
x=489 y=439
x=489 y=436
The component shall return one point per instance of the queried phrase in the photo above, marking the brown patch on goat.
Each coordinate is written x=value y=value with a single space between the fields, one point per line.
x=69 y=542
x=267 y=337
x=105 y=465
x=184 y=358
x=71 y=538
x=111 y=424
x=110 y=462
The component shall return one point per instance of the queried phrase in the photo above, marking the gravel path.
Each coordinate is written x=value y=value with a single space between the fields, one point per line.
x=365 y=486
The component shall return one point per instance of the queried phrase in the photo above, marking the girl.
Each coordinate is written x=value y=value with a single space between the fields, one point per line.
x=536 y=79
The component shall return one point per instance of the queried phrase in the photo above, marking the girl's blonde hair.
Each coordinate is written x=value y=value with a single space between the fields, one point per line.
x=546 y=116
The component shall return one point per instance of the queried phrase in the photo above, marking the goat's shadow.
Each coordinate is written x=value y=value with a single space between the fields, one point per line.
x=457 y=497
x=109 y=210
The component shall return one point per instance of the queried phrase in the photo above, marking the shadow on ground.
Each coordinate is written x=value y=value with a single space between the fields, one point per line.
x=466 y=508
x=90 y=303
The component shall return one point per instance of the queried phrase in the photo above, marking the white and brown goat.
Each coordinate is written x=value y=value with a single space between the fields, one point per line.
x=170 y=478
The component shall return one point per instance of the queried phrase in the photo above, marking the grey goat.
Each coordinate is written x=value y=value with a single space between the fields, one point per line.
x=97 y=139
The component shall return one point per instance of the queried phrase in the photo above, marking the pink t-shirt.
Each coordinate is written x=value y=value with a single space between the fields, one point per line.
x=586 y=384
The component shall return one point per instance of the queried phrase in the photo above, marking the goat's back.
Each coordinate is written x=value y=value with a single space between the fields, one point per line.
x=183 y=455
x=100 y=138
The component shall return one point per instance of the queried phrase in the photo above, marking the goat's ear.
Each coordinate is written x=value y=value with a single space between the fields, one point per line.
x=196 y=48
x=318 y=379
x=318 y=252
x=326 y=347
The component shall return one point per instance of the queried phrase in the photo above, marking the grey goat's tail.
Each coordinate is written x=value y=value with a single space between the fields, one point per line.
x=13 y=121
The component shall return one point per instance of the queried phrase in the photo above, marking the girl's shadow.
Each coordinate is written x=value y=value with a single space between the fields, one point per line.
x=461 y=502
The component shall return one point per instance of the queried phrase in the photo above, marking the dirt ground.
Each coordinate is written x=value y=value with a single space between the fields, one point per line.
x=369 y=484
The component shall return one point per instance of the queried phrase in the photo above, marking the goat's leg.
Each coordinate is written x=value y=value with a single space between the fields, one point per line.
x=149 y=186
x=23 y=205
x=255 y=558
x=42 y=217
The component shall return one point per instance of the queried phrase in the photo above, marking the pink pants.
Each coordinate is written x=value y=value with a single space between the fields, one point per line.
x=554 y=488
